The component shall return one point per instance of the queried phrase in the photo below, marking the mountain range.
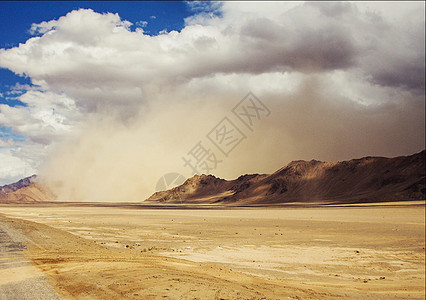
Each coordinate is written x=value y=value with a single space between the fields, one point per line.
x=368 y=179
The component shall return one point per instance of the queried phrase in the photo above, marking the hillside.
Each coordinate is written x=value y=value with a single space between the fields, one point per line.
x=25 y=190
x=368 y=179
x=9 y=188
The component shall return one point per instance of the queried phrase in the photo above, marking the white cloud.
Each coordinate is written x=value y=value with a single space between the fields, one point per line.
x=6 y=142
x=204 y=6
x=142 y=23
x=46 y=115
x=306 y=37
x=13 y=168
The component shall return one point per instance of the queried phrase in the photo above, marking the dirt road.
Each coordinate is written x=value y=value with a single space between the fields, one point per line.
x=19 y=279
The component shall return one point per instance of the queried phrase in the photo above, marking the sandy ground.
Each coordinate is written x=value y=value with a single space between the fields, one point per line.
x=372 y=252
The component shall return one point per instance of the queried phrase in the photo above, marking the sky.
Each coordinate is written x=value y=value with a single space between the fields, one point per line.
x=103 y=99
x=152 y=16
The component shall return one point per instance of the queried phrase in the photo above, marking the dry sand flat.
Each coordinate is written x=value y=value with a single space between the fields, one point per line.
x=81 y=269
x=19 y=279
x=310 y=253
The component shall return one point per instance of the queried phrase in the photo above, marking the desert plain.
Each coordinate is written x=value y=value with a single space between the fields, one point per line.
x=97 y=251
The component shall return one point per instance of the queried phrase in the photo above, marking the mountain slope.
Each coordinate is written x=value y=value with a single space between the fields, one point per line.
x=369 y=179
x=25 y=190
x=18 y=185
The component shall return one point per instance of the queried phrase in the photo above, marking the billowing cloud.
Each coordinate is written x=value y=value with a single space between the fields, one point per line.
x=142 y=23
x=117 y=108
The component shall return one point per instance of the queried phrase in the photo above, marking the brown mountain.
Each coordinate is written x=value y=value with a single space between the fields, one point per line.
x=368 y=179
x=9 y=188
x=25 y=190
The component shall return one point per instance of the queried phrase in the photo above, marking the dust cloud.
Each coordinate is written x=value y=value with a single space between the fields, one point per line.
x=111 y=158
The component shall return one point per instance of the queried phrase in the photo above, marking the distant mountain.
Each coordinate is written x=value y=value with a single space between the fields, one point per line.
x=25 y=190
x=368 y=179
x=18 y=185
